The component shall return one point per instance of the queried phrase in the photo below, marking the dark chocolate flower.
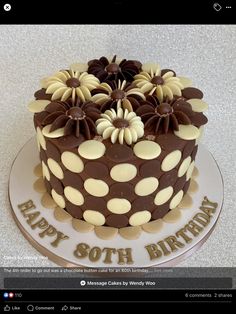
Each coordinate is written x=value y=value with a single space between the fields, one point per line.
x=76 y=118
x=117 y=95
x=106 y=70
x=160 y=117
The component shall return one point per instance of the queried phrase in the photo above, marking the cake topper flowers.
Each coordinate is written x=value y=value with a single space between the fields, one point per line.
x=120 y=125
x=66 y=84
x=160 y=117
x=115 y=69
x=156 y=82
x=117 y=95
x=73 y=118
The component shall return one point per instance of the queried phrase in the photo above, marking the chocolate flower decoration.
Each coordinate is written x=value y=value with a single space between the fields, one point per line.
x=66 y=84
x=115 y=69
x=160 y=117
x=76 y=118
x=120 y=125
x=117 y=95
x=156 y=82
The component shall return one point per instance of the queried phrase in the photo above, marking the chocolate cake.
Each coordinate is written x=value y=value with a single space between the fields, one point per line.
x=117 y=140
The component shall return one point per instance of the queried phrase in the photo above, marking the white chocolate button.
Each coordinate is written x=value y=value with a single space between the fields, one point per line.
x=79 y=67
x=164 y=195
x=39 y=185
x=185 y=81
x=130 y=233
x=187 y=132
x=38 y=105
x=45 y=170
x=123 y=172
x=198 y=105
x=105 y=232
x=190 y=171
x=140 y=218
x=171 y=160
x=118 y=205
x=38 y=171
x=201 y=130
x=91 y=149
x=55 y=168
x=96 y=187
x=58 y=199
x=147 y=150
x=53 y=134
x=176 y=199
x=184 y=166
x=72 y=162
x=172 y=216
x=73 y=195
x=93 y=217
x=81 y=225
x=153 y=226
x=41 y=138
x=146 y=186
x=61 y=215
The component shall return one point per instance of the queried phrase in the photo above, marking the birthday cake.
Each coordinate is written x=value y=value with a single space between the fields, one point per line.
x=117 y=140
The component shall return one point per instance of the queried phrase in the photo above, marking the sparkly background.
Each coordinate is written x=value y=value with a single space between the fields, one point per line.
x=207 y=54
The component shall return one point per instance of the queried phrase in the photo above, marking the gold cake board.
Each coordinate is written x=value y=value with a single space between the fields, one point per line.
x=69 y=248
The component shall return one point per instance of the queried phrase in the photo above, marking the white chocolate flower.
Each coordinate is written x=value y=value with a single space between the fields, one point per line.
x=117 y=95
x=151 y=81
x=65 y=84
x=120 y=126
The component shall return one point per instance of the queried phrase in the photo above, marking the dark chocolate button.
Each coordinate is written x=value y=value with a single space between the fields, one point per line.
x=117 y=221
x=186 y=186
x=180 y=184
x=188 y=149
x=96 y=170
x=117 y=94
x=72 y=179
x=168 y=179
x=194 y=153
x=69 y=141
x=43 y=156
x=41 y=94
x=150 y=169
x=160 y=211
x=52 y=151
x=122 y=190
x=198 y=119
x=191 y=92
x=157 y=80
x=119 y=153
x=143 y=203
x=39 y=117
x=94 y=203
x=170 y=142
x=56 y=184
x=47 y=185
x=73 y=82
x=74 y=210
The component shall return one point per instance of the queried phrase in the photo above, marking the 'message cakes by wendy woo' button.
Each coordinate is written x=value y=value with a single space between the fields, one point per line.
x=119 y=111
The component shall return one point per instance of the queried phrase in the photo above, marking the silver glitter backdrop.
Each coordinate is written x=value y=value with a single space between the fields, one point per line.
x=207 y=54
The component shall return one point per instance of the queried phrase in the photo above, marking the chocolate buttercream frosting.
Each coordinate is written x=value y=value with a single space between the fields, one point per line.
x=77 y=118
x=106 y=70
x=167 y=115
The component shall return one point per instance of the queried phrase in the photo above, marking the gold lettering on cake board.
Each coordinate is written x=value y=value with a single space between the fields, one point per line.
x=27 y=210
x=122 y=256
x=94 y=254
x=184 y=235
